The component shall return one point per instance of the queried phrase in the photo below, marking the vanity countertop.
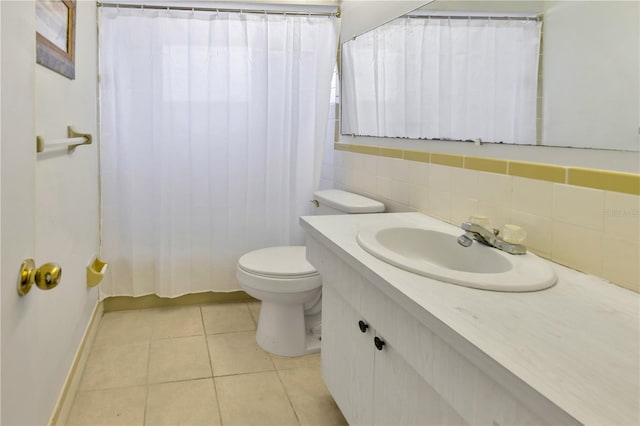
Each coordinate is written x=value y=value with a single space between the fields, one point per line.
x=577 y=344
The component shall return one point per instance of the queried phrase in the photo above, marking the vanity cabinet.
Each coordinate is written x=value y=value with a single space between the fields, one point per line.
x=368 y=378
x=416 y=377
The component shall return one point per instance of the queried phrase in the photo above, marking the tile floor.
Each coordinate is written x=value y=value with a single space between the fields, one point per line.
x=196 y=365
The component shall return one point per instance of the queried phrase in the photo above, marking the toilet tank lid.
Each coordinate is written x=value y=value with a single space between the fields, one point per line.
x=348 y=202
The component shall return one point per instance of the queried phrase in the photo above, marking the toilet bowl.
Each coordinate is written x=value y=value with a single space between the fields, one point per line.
x=290 y=290
x=289 y=287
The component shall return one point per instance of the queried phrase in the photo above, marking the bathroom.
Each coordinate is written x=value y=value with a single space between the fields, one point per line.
x=52 y=204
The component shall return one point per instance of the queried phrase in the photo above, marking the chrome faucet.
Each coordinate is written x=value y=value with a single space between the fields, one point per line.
x=484 y=236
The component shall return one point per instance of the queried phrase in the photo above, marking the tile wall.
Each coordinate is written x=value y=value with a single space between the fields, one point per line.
x=586 y=219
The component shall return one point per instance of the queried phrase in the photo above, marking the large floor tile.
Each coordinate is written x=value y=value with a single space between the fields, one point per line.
x=179 y=321
x=254 y=308
x=191 y=402
x=113 y=407
x=123 y=327
x=310 y=397
x=227 y=318
x=181 y=358
x=305 y=361
x=254 y=399
x=237 y=353
x=115 y=366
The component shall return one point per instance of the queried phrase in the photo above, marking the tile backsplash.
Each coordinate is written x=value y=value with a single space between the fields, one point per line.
x=593 y=230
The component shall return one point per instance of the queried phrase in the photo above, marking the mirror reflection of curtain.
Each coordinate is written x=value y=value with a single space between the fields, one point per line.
x=212 y=130
x=459 y=79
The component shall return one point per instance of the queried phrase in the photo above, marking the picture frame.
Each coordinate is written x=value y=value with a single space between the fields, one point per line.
x=56 y=35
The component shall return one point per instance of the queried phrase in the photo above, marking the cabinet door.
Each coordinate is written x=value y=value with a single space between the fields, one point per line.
x=402 y=397
x=347 y=358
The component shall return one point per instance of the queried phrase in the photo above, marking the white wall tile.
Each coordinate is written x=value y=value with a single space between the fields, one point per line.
x=577 y=247
x=622 y=262
x=393 y=168
x=499 y=215
x=395 y=207
x=394 y=190
x=418 y=196
x=532 y=196
x=418 y=173
x=622 y=216
x=439 y=205
x=494 y=198
x=464 y=183
x=440 y=178
x=579 y=206
x=494 y=189
x=538 y=230
x=370 y=184
x=462 y=208
x=340 y=175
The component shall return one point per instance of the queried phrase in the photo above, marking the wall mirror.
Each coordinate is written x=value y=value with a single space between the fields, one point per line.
x=553 y=73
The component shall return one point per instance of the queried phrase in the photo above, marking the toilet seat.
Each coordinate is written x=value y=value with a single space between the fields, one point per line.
x=279 y=270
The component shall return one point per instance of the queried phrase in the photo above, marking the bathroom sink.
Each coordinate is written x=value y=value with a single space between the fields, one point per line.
x=438 y=255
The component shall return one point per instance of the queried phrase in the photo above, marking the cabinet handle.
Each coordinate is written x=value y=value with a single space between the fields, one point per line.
x=379 y=343
x=363 y=326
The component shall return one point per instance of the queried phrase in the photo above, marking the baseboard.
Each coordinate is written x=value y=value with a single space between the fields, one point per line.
x=126 y=303
x=71 y=384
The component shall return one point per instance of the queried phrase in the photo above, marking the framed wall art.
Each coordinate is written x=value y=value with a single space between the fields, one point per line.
x=56 y=35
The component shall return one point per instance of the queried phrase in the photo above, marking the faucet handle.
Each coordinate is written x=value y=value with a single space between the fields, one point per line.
x=480 y=220
x=513 y=234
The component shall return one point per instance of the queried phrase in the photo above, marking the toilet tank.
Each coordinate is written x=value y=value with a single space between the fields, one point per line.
x=335 y=201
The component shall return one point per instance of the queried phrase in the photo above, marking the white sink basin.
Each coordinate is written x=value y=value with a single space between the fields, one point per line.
x=438 y=255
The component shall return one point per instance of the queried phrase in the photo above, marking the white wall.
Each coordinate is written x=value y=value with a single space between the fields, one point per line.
x=359 y=16
x=42 y=331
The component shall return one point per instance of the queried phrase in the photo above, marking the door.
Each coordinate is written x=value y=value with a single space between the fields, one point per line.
x=17 y=217
x=402 y=396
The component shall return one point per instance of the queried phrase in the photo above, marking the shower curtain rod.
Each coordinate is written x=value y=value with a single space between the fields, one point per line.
x=220 y=9
x=485 y=17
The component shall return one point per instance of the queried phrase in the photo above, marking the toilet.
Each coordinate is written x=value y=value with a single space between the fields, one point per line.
x=289 y=286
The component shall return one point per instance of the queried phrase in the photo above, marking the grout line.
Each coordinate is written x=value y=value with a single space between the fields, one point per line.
x=295 y=413
x=230 y=332
x=213 y=378
x=146 y=396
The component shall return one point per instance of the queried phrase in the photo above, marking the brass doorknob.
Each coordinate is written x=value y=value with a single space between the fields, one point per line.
x=45 y=277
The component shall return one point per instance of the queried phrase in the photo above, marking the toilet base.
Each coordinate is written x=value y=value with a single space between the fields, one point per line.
x=282 y=330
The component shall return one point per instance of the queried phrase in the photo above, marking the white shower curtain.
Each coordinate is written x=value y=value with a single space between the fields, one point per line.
x=212 y=127
x=443 y=79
